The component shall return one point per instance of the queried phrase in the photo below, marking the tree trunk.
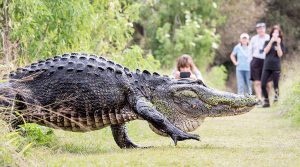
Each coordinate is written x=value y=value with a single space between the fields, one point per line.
x=9 y=47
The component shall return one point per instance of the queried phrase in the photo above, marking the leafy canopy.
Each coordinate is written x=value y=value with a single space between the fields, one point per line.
x=46 y=28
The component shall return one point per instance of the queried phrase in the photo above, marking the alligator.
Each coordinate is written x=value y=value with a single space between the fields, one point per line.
x=84 y=92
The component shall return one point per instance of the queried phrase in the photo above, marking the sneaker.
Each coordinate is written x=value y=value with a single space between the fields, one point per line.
x=276 y=96
x=259 y=103
x=275 y=100
x=266 y=103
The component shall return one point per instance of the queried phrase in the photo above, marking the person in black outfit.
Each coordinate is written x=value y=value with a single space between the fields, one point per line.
x=274 y=50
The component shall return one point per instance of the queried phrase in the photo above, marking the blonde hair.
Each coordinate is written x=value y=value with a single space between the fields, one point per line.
x=185 y=61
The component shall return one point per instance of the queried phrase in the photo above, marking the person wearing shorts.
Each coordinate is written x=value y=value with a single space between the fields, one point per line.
x=274 y=50
x=257 y=51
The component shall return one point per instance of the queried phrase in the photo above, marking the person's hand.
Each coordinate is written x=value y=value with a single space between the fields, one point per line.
x=193 y=76
x=273 y=39
x=278 y=40
x=177 y=75
x=236 y=63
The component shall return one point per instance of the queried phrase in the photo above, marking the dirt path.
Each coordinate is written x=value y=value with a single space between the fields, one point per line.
x=258 y=138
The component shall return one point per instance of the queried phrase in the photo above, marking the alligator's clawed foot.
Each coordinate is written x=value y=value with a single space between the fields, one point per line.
x=130 y=145
x=184 y=136
x=144 y=147
x=135 y=146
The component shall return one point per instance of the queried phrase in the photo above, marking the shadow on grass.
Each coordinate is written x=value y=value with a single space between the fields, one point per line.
x=197 y=147
x=94 y=149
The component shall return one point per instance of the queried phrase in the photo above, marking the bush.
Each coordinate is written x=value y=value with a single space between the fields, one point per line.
x=289 y=101
x=216 y=77
x=38 y=135
x=132 y=58
x=293 y=104
x=173 y=28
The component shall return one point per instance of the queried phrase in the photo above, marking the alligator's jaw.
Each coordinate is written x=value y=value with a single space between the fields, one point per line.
x=228 y=104
x=221 y=111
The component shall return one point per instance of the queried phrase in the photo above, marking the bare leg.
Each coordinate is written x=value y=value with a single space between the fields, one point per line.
x=257 y=89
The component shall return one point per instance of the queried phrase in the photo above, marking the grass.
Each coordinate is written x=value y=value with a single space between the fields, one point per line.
x=289 y=105
x=13 y=147
x=258 y=138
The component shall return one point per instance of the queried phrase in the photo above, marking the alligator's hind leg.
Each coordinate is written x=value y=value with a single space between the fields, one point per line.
x=121 y=138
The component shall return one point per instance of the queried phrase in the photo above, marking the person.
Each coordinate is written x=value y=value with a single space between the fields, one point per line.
x=274 y=50
x=185 y=68
x=256 y=66
x=241 y=58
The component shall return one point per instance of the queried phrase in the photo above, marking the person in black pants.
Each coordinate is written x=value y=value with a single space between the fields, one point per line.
x=274 y=50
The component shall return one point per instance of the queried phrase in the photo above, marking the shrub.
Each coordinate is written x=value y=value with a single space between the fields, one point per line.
x=38 y=135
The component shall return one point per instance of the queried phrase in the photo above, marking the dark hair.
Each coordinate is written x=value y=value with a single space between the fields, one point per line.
x=277 y=27
x=185 y=61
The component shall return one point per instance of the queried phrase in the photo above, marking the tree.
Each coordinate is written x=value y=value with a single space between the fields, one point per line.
x=178 y=27
x=46 y=28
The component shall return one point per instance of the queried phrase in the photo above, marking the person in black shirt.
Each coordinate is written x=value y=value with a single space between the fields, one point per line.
x=274 y=50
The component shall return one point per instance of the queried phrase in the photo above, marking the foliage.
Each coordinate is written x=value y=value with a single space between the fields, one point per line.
x=180 y=27
x=286 y=13
x=46 y=28
x=289 y=99
x=134 y=59
x=38 y=135
x=12 y=147
x=216 y=77
x=293 y=104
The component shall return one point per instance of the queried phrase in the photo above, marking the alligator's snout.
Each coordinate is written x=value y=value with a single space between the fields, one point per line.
x=226 y=104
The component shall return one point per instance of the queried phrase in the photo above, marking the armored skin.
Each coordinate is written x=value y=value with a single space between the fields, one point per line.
x=81 y=92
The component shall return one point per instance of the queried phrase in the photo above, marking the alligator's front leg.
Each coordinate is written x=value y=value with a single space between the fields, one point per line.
x=147 y=111
x=121 y=138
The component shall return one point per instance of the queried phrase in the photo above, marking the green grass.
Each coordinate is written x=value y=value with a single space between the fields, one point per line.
x=289 y=104
x=258 y=138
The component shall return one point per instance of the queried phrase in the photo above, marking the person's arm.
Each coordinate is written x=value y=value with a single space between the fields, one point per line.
x=193 y=76
x=198 y=74
x=279 y=49
x=233 y=59
x=269 y=46
x=252 y=46
x=233 y=54
x=174 y=72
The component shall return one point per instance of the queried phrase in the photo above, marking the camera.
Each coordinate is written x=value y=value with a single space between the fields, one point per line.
x=185 y=74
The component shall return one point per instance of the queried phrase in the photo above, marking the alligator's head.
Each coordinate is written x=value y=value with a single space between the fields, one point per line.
x=186 y=103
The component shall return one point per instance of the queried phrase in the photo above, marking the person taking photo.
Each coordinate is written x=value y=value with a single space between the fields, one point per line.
x=274 y=50
x=185 y=68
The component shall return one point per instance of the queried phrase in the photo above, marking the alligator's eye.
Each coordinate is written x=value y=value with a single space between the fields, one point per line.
x=186 y=93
